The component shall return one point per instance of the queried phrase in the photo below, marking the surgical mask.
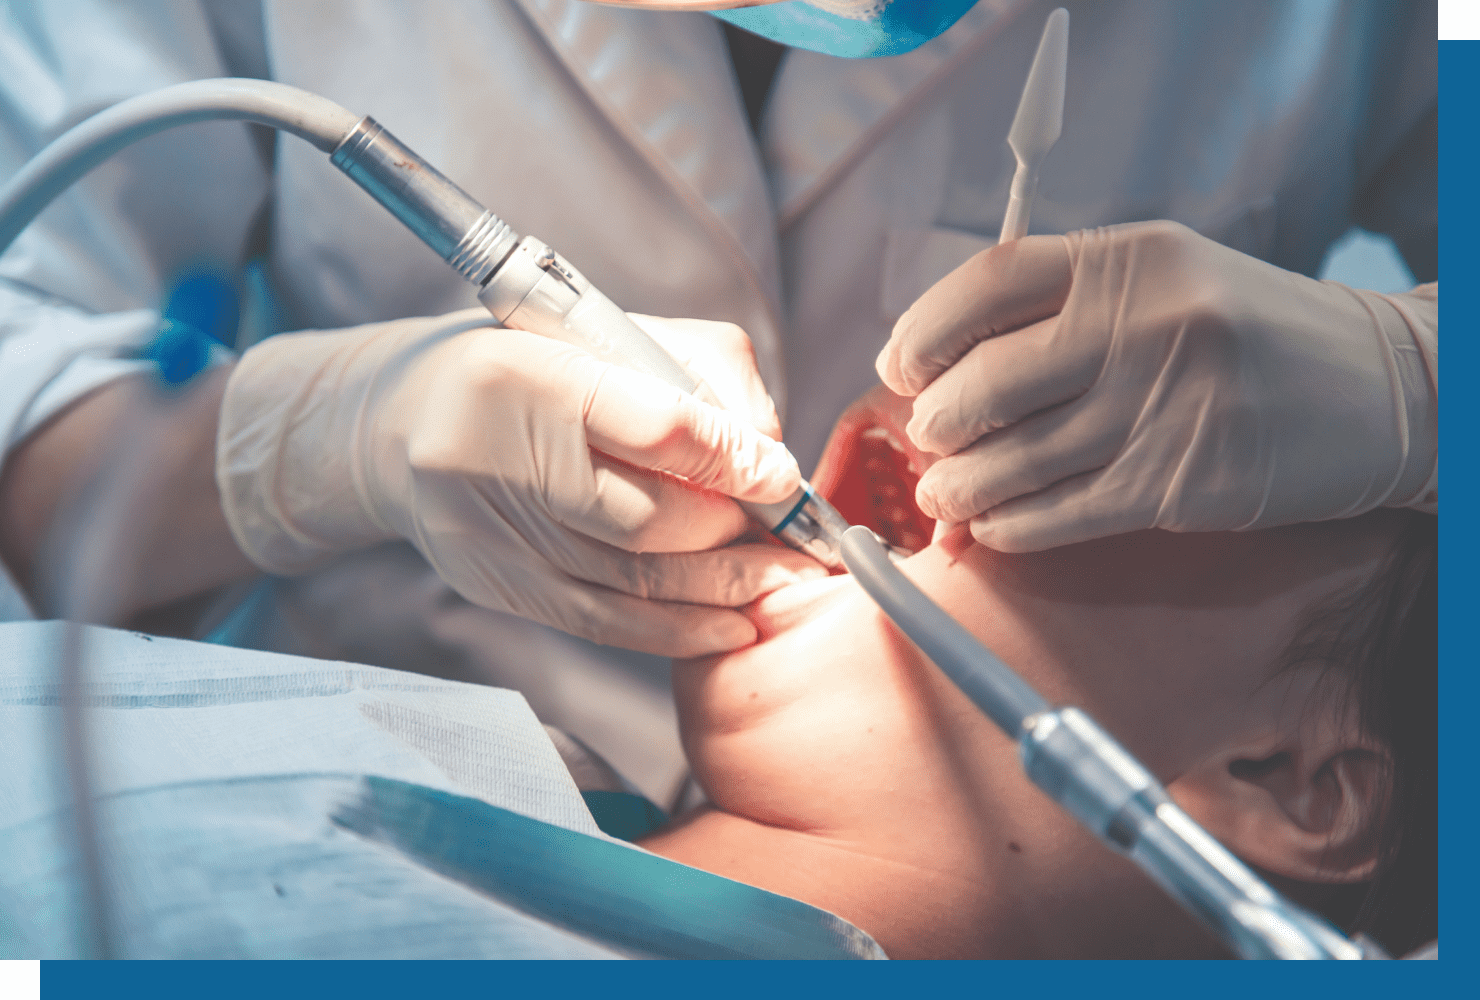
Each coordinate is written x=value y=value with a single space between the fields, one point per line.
x=854 y=29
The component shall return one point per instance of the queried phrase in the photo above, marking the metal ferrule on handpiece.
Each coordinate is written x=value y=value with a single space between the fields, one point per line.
x=450 y=221
x=812 y=526
x=1084 y=769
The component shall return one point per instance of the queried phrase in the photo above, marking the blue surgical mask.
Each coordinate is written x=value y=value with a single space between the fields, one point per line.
x=854 y=29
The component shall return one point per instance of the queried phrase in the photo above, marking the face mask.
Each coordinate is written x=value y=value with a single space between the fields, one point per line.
x=854 y=29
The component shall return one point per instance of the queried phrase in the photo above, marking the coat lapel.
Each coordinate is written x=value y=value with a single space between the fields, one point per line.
x=826 y=113
x=665 y=83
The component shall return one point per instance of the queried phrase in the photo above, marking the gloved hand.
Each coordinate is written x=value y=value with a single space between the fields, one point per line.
x=1144 y=376
x=520 y=468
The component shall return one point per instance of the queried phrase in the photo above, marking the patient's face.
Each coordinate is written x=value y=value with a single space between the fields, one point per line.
x=876 y=790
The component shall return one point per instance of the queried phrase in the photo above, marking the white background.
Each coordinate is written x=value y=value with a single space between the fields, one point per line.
x=1459 y=19
x=20 y=980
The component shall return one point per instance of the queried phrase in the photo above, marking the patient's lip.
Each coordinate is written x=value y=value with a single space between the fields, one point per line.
x=790 y=606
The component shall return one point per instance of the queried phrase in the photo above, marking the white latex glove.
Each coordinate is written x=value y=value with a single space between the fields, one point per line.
x=480 y=446
x=1144 y=376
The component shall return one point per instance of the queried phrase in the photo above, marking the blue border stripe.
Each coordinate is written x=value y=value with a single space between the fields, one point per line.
x=1459 y=540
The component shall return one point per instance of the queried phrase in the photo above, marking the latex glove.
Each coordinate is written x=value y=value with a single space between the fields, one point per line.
x=1144 y=376
x=518 y=466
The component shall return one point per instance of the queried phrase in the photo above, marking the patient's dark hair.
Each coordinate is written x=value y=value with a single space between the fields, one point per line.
x=1381 y=643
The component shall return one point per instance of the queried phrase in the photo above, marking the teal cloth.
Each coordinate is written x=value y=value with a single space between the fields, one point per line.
x=349 y=866
x=624 y=815
x=257 y=805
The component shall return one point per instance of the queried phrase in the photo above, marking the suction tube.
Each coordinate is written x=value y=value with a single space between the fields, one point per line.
x=57 y=167
x=1002 y=695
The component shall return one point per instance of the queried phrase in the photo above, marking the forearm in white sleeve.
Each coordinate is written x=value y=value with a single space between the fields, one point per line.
x=81 y=288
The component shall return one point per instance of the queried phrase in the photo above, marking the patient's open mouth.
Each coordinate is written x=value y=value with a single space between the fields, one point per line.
x=869 y=472
x=891 y=492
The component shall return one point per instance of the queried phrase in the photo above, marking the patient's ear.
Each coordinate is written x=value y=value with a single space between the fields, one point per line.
x=1306 y=805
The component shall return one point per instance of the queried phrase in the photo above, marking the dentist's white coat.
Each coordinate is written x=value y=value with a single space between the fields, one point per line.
x=619 y=137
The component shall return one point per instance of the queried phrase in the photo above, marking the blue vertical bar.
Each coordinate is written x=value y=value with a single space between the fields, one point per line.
x=1459 y=416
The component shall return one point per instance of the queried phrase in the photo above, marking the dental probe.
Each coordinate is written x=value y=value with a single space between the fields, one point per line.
x=1036 y=126
x=525 y=284
x=1083 y=769
x=1038 y=122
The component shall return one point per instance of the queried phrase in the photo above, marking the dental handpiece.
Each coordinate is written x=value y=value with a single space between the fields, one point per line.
x=524 y=283
x=528 y=286
x=1082 y=768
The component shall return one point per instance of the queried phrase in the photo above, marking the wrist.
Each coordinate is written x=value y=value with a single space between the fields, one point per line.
x=286 y=461
x=1409 y=325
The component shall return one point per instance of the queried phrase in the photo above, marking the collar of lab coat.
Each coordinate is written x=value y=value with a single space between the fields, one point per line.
x=827 y=113
x=665 y=83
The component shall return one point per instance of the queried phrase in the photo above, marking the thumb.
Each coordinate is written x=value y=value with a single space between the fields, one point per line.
x=1066 y=513
x=650 y=424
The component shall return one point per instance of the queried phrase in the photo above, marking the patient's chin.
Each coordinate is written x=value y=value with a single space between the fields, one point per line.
x=730 y=692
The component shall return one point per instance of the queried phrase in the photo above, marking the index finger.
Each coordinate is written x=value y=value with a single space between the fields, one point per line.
x=1000 y=289
x=649 y=423
x=722 y=357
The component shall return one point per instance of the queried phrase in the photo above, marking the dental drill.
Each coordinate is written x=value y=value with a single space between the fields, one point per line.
x=1082 y=768
x=525 y=284
x=528 y=286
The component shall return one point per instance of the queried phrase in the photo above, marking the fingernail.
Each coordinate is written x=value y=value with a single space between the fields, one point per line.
x=915 y=430
x=925 y=500
x=889 y=371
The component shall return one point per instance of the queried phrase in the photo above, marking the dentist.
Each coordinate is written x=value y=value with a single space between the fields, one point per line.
x=754 y=173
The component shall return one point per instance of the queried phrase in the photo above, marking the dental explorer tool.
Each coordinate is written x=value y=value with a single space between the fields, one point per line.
x=525 y=284
x=1082 y=768
x=1038 y=122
